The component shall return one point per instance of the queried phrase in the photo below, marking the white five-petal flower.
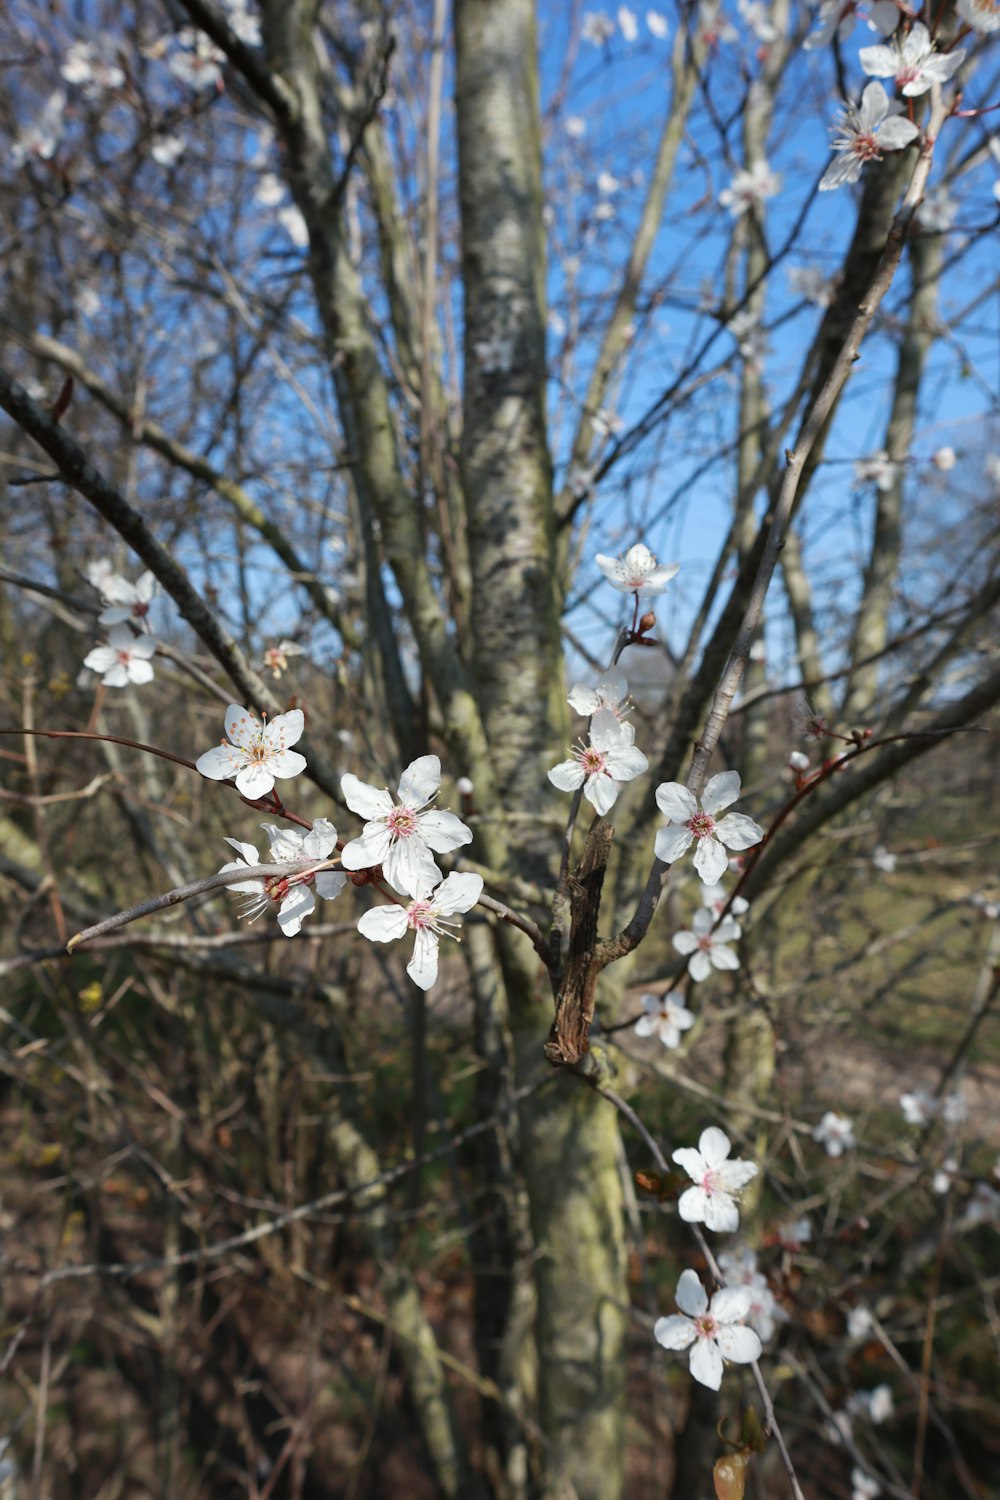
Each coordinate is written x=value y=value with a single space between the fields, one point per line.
x=836 y=1133
x=705 y=945
x=609 y=692
x=256 y=754
x=291 y=893
x=125 y=601
x=665 y=1017
x=713 y=1330
x=687 y=825
x=749 y=188
x=400 y=837
x=125 y=658
x=862 y=134
x=637 y=572
x=429 y=914
x=981 y=15
x=717 y=1180
x=912 y=63
x=602 y=766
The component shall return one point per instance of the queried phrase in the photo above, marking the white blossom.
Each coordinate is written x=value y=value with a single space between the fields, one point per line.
x=718 y=1182
x=918 y=1107
x=739 y=1268
x=256 y=753
x=859 y=1323
x=836 y=1133
x=811 y=284
x=752 y=339
x=945 y=1175
x=92 y=67
x=750 y=188
x=124 y=600
x=714 y=897
x=954 y=1108
x=883 y=859
x=879 y=470
x=793 y=1235
x=706 y=945
x=637 y=572
x=575 y=127
x=862 y=134
x=400 y=836
x=627 y=24
x=658 y=25
x=292 y=221
x=912 y=62
x=981 y=15
x=665 y=1018
x=429 y=914
x=597 y=28
x=165 y=149
x=938 y=212
x=687 y=825
x=863 y=1486
x=124 y=658
x=243 y=22
x=269 y=191
x=712 y=1330
x=43 y=135
x=292 y=894
x=757 y=16
x=601 y=766
x=840 y=15
x=275 y=658
x=944 y=459
x=982 y=1208
x=610 y=693
x=198 y=60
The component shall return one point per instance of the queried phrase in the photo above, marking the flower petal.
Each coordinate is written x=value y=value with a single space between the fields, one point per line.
x=731 y=1304
x=367 y=801
x=254 y=781
x=699 y=966
x=420 y=781
x=675 y=801
x=409 y=866
x=383 y=924
x=241 y=726
x=722 y=957
x=693 y=1205
x=297 y=904
x=684 y=941
x=368 y=849
x=459 y=892
x=706 y=1364
x=674 y=1332
x=710 y=860
x=329 y=884
x=567 y=775
x=219 y=763
x=693 y=1163
x=721 y=1214
x=691 y=1297
x=285 y=763
x=896 y=133
x=739 y=1344
x=442 y=830
x=721 y=791
x=601 y=792
x=248 y=852
x=284 y=730
x=714 y=1145
x=671 y=842
x=423 y=966
x=737 y=831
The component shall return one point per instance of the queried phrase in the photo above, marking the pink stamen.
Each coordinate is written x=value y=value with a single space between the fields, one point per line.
x=402 y=822
x=702 y=826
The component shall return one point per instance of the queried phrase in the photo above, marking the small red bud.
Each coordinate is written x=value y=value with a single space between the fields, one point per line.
x=647 y=622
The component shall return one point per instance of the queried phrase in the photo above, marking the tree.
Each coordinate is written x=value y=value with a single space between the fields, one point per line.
x=354 y=370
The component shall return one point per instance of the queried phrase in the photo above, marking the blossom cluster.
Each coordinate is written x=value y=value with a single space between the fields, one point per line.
x=716 y=1331
x=126 y=655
